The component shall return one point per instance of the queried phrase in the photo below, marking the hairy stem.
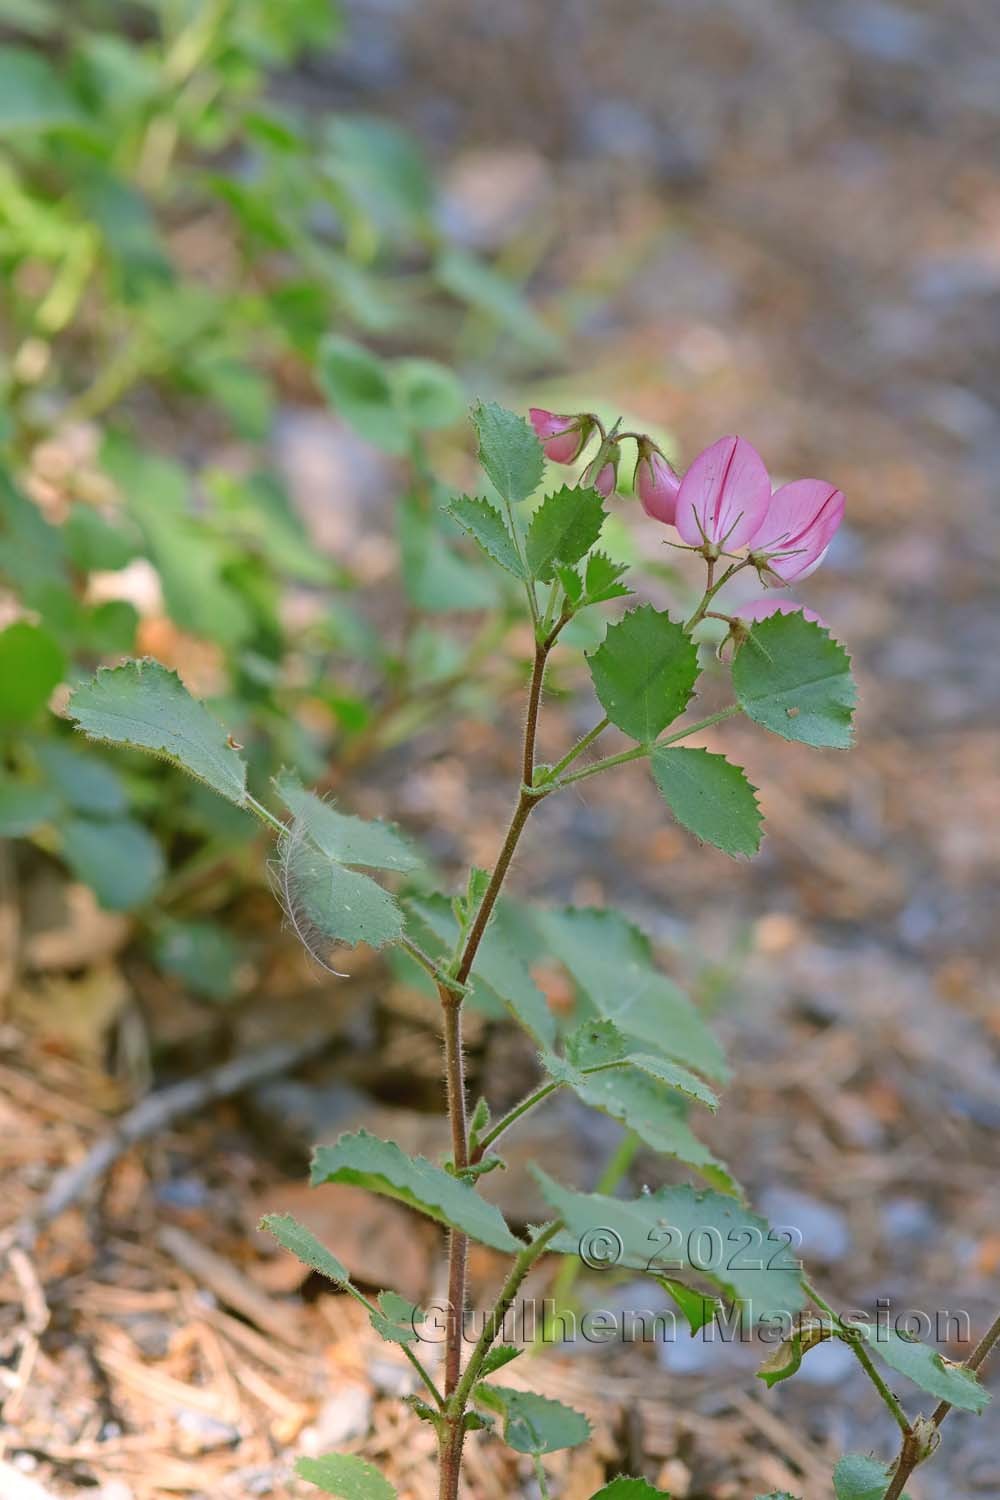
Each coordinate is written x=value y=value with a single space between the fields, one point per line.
x=863 y=1357
x=915 y=1447
x=639 y=751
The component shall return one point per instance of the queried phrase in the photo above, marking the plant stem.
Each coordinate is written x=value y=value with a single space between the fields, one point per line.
x=453 y=1433
x=528 y=1102
x=638 y=751
x=863 y=1357
x=579 y=747
x=712 y=587
x=915 y=1447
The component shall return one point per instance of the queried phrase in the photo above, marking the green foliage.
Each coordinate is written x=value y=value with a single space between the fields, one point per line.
x=710 y=797
x=786 y=1360
x=119 y=859
x=380 y=1166
x=341 y=837
x=610 y=961
x=397 y=1321
x=509 y=451
x=531 y=1423
x=345 y=1476
x=792 y=677
x=302 y=1243
x=204 y=955
x=857 y=1477
x=698 y=1309
x=31 y=665
x=644 y=672
x=563 y=528
x=627 y=1488
x=599 y=1044
x=327 y=901
x=484 y=522
x=141 y=704
x=926 y=1367
x=707 y=1234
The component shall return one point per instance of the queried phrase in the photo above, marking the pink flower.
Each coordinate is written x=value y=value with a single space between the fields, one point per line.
x=657 y=484
x=763 y=609
x=606 y=478
x=723 y=497
x=561 y=437
x=798 y=528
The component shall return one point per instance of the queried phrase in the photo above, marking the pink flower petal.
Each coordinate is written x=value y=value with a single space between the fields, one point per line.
x=658 y=487
x=763 y=609
x=724 y=495
x=799 y=527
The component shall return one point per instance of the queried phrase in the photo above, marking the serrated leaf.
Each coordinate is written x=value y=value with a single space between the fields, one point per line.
x=142 y=704
x=342 y=837
x=563 y=528
x=792 y=677
x=677 y=1229
x=610 y=960
x=303 y=1244
x=500 y=974
x=509 y=451
x=926 y=1367
x=397 y=1320
x=602 y=579
x=858 y=1477
x=534 y=1424
x=347 y=1477
x=650 y=1108
x=487 y=526
x=571 y=582
x=698 y=1309
x=326 y=898
x=499 y=1355
x=627 y=1488
x=710 y=797
x=597 y=1044
x=644 y=672
x=119 y=859
x=380 y=1166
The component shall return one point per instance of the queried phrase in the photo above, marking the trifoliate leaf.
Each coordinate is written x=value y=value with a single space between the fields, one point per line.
x=143 y=704
x=342 y=837
x=644 y=672
x=602 y=579
x=792 y=677
x=610 y=961
x=563 y=528
x=534 y=1424
x=677 y=1229
x=345 y=1476
x=509 y=451
x=382 y=1167
x=710 y=797
x=926 y=1367
x=302 y=1243
x=485 y=523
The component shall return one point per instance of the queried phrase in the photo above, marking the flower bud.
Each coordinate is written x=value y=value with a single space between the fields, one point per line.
x=656 y=483
x=606 y=477
x=562 y=438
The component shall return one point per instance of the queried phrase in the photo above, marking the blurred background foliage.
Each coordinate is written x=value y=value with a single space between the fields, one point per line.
x=185 y=247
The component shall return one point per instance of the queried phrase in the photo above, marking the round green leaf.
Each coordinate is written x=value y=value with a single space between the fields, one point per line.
x=31 y=665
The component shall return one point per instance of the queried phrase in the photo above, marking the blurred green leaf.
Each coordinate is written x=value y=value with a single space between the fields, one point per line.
x=203 y=954
x=32 y=95
x=31 y=665
x=85 y=783
x=120 y=860
x=25 y=806
x=357 y=384
x=427 y=394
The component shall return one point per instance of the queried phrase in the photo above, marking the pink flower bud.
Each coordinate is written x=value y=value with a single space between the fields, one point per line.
x=763 y=609
x=799 y=526
x=657 y=484
x=606 y=478
x=561 y=438
x=724 y=496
